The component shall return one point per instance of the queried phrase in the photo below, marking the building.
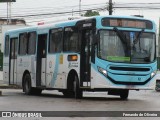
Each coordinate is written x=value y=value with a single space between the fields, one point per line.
x=5 y=25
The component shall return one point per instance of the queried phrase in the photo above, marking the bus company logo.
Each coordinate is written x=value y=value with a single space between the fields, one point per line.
x=72 y=65
x=139 y=79
x=6 y=114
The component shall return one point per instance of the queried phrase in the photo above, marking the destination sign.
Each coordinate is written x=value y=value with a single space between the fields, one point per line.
x=128 y=23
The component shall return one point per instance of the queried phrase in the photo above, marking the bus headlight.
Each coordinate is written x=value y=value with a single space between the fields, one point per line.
x=153 y=73
x=103 y=71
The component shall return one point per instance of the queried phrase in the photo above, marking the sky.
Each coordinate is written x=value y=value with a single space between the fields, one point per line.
x=28 y=7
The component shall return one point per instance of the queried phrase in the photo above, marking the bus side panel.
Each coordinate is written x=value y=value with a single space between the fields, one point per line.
x=24 y=63
x=19 y=70
x=32 y=69
x=61 y=81
x=50 y=70
x=56 y=74
x=6 y=70
x=58 y=68
x=64 y=66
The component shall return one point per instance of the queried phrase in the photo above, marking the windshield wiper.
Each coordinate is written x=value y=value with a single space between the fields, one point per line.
x=124 y=40
x=120 y=35
x=138 y=36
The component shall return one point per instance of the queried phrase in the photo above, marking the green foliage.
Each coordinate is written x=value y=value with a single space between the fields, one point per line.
x=91 y=13
x=1 y=61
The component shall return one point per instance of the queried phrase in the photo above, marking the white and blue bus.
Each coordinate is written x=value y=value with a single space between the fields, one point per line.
x=102 y=53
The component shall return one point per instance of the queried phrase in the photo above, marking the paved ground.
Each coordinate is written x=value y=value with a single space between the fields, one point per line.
x=1 y=82
x=15 y=100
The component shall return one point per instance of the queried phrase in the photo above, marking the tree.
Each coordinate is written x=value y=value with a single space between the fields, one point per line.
x=91 y=13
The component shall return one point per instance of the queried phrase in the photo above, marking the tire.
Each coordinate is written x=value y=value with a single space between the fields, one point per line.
x=124 y=94
x=78 y=93
x=27 y=85
x=73 y=90
x=156 y=88
x=28 y=89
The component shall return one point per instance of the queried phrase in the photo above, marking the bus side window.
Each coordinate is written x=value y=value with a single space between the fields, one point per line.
x=23 y=44
x=55 y=41
x=71 y=42
x=31 y=43
x=6 y=45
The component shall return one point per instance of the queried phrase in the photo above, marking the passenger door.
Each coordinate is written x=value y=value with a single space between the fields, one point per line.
x=6 y=60
x=13 y=61
x=86 y=31
x=41 y=60
x=85 y=66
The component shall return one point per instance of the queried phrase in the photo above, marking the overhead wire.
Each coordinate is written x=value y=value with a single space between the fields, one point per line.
x=49 y=12
x=54 y=13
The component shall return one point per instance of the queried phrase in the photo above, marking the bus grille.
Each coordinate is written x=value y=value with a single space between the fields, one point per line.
x=129 y=69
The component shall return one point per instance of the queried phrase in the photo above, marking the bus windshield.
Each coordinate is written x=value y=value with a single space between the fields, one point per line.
x=139 y=47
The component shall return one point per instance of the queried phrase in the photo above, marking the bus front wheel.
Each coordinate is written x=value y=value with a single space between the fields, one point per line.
x=124 y=94
x=78 y=93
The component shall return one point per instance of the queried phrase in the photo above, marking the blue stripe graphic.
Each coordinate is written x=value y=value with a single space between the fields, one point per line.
x=55 y=73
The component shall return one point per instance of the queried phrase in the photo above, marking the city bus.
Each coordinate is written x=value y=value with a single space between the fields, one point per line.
x=97 y=54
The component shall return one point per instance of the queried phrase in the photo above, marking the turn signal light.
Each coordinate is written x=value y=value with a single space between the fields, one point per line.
x=72 y=57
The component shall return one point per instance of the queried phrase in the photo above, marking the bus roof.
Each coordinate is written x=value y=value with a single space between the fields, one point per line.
x=70 y=23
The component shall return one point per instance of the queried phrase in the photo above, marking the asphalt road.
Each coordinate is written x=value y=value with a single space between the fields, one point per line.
x=16 y=100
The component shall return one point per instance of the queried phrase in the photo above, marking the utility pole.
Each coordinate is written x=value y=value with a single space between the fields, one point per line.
x=110 y=8
x=72 y=12
x=9 y=12
x=79 y=7
x=8 y=9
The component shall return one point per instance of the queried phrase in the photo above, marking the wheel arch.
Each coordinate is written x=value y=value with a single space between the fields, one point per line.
x=70 y=77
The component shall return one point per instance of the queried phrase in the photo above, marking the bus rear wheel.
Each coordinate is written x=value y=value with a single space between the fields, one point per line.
x=27 y=85
x=124 y=94
x=28 y=89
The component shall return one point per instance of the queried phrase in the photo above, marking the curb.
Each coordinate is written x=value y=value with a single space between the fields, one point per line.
x=4 y=86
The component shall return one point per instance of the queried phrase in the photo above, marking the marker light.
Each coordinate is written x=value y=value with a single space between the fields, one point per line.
x=72 y=57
